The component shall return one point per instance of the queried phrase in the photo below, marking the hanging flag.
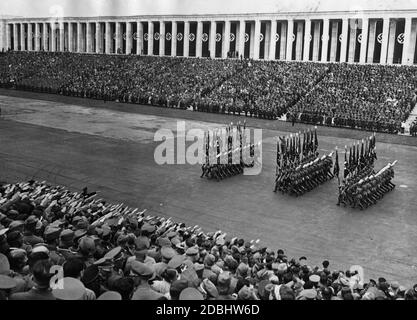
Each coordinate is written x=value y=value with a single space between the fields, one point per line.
x=362 y=153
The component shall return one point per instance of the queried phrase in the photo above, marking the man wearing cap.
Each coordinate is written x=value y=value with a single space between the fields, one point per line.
x=51 y=237
x=41 y=278
x=192 y=254
x=72 y=290
x=144 y=273
x=29 y=236
x=66 y=244
x=224 y=283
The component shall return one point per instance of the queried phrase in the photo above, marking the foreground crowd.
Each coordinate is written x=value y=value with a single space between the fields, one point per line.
x=56 y=244
x=370 y=97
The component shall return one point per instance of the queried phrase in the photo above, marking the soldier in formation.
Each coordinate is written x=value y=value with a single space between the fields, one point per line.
x=299 y=167
x=368 y=190
x=221 y=164
x=306 y=177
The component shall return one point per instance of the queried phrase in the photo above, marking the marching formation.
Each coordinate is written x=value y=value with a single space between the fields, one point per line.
x=226 y=152
x=299 y=167
x=361 y=187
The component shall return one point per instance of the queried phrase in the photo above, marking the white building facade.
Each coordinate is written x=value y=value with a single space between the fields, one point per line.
x=367 y=37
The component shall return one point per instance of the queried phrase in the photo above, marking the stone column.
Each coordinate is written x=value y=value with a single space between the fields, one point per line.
x=352 y=43
x=343 y=47
x=407 y=43
x=267 y=39
x=119 y=38
x=272 y=42
x=299 y=43
x=22 y=37
x=325 y=44
x=316 y=41
x=212 y=39
x=150 y=38
x=162 y=38
x=8 y=36
x=242 y=27
x=391 y=42
x=199 y=43
x=45 y=37
x=365 y=26
x=384 y=46
x=70 y=38
x=37 y=37
x=174 y=39
x=256 y=40
x=29 y=37
x=307 y=39
x=15 y=37
x=128 y=37
x=226 y=39
x=290 y=39
x=99 y=38
x=89 y=39
x=252 y=40
x=186 y=39
x=413 y=40
x=53 y=37
x=79 y=37
x=139 y=41
x=283 y=42
x=61 y=37
x=109 y=37
x=371 y=41
x=333 y=41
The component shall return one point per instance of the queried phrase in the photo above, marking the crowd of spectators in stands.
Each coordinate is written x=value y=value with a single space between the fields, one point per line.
x=57 y=244
x=369 y=97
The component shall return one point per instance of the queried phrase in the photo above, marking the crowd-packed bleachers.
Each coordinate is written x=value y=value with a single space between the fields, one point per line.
x=375 y=98
x=369 y=97
x=111 y=251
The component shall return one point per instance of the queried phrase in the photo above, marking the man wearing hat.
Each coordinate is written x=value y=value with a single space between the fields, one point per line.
x=192 y=254
x=87 y=248
x=167 y=253
x=224 y=283
x=144 y=273
x=176 y=288
x=41 y=278
x=51 y=237
x=72 y=289
x=191 y=294
x=6 y=285
x=29 y=236
x=66 y=244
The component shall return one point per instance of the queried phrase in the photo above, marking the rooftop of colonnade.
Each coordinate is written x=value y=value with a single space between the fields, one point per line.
x=317 y=15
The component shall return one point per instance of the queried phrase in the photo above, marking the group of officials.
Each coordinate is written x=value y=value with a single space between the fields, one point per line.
x=361 y=187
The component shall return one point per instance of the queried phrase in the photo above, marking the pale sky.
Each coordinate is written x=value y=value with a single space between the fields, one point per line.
x=69 y=8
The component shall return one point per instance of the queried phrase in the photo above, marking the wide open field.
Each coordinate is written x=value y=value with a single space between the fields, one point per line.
x=110 y=148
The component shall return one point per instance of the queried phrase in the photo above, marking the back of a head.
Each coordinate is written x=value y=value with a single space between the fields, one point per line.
x=73 y=268
x=42 y=272
x=124 y=286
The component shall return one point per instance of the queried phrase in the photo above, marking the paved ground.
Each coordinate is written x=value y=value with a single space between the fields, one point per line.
x=63 y=141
